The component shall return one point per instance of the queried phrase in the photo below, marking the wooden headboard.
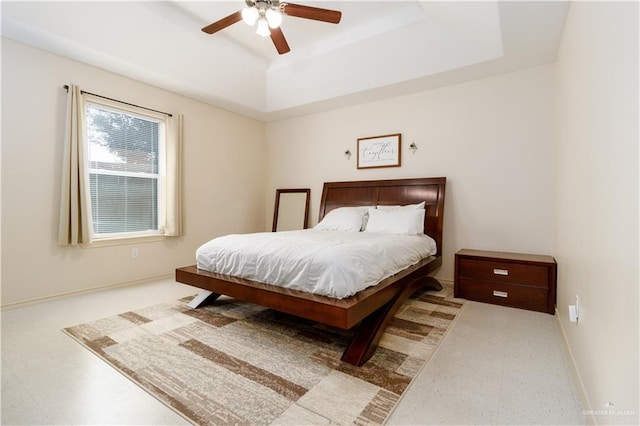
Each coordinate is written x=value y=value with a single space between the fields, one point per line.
x=391 y=192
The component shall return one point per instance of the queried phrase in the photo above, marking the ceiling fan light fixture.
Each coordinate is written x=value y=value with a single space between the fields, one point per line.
x=250 y=15
x=274 y=17
x=263 y=28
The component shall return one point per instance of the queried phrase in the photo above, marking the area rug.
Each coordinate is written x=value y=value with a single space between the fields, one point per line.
x=242 y=364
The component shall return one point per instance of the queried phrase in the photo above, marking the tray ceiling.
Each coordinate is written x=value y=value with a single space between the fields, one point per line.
x=380 y=49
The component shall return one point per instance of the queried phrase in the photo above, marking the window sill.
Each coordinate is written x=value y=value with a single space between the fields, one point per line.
x=118 y=241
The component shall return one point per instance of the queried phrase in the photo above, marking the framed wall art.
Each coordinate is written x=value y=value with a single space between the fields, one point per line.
x=379 y=151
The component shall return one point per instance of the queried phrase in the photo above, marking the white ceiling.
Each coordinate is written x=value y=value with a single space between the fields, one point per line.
x=379 y=49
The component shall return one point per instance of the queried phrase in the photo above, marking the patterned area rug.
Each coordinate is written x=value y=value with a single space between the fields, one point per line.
x=238 y=363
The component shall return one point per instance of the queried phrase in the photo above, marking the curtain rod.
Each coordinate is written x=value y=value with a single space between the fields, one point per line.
x=66 y=87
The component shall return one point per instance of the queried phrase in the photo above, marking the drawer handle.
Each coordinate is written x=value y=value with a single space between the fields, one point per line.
x=500 y=272
x=500 y=293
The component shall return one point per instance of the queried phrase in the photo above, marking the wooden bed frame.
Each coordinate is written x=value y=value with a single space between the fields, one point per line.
x=371 y=309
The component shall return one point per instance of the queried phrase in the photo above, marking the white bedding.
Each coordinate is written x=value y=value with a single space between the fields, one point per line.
x=337 y=264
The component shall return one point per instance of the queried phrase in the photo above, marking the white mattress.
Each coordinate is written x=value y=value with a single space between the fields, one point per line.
x=337 y=264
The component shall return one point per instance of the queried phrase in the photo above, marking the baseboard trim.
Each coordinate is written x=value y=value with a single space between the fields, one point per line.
x=581 y=390
x=445 y=281
x=43 y=299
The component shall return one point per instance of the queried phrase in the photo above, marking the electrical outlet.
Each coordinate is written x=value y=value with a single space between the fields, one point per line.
x=573 y=316
x=574 y=311
x=134 y=252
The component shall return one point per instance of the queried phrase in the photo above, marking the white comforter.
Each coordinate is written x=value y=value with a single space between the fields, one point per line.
x=330 y=263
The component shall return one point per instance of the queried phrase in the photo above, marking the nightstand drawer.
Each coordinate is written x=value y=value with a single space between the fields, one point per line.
x=516 y=296
x=505 y=272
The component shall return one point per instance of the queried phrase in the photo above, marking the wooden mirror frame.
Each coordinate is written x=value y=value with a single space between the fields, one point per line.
x=276 y=209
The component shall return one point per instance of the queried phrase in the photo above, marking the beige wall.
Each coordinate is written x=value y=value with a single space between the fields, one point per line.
x=224 y=170
x=597 y=201
x=493 y=139
x=542 y=161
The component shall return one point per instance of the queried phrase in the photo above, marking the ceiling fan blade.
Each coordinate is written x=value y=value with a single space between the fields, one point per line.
x=279 y=41
x=310 y=12
x=223 y=23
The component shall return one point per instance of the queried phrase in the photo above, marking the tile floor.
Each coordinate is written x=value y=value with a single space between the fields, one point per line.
x=495 y=366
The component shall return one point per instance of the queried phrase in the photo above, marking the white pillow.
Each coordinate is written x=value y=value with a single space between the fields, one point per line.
x=408 y=206
x=343 y=219
x=396 y=221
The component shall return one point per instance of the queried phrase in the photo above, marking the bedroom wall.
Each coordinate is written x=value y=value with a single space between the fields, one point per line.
x=597 y=202
x=492 y=138
x=223 y=184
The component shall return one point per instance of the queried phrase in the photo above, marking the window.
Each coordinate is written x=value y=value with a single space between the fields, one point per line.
x=126 y=155
x=121 y=171
x=126 y=167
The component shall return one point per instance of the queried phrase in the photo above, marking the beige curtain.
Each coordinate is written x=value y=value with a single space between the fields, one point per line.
x=173 y=211
x=75 y=215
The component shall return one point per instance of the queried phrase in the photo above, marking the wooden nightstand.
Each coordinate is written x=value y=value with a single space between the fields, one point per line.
x=511 y=279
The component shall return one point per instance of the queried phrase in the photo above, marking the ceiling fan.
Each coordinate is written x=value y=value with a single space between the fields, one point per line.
x=268 y=15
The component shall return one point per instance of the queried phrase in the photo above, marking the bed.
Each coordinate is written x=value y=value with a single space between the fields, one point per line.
x=369 y=311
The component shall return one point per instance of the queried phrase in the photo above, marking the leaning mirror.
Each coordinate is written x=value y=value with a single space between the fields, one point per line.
x=292 y=209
